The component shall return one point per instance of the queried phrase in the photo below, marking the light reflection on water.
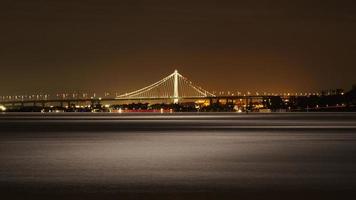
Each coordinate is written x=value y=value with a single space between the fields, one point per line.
x=122 y=156
x=172 y=157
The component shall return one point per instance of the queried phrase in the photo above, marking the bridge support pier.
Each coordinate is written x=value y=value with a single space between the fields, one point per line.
x=247 y=107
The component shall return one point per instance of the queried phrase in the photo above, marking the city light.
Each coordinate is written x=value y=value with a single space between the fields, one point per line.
x=177 y=89
x=2 y=108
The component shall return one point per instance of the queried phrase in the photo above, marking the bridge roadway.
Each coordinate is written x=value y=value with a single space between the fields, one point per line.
x=43 y=102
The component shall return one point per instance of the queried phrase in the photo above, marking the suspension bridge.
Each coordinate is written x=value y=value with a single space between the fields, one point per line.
x=174 y=88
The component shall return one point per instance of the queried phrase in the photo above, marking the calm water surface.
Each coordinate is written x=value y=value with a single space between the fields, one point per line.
x=178 y=156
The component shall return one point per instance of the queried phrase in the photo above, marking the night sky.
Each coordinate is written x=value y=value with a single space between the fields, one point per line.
x=113 y=45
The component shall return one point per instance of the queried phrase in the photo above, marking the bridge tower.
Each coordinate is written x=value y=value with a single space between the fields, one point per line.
x=176 y=92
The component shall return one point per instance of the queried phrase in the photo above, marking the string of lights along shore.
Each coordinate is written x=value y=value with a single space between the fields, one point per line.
x=160 y=89
x=174 y=82
x=176 y=89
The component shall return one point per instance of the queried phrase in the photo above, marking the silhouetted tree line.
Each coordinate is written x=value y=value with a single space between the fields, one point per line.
x=217 y=107
x=184 y=107
x=336 y=101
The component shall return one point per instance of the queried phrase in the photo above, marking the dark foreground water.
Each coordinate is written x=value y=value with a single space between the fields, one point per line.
x=178 y=156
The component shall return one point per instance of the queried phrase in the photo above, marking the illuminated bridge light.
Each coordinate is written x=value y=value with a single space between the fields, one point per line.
x=175 y=87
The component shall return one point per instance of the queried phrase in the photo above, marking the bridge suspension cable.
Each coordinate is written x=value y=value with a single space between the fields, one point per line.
x=174 y=86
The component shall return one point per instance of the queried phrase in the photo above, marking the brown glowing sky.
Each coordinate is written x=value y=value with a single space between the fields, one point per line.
x=112 y=45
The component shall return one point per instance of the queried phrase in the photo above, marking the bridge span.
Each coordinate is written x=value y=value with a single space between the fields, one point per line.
x=173 y=88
